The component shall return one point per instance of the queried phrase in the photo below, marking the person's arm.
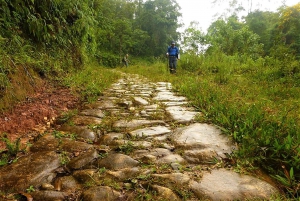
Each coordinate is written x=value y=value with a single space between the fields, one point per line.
x=178 y=53
x=168 y=50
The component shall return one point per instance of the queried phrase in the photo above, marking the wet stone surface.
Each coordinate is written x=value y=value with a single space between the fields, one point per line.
x=139 y=141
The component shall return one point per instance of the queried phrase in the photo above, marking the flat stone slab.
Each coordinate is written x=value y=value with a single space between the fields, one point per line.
x=50 y=143
x=118 y=84
x=71 y=146
x=80 y=131
x=141 y=144
x=223 y=184
x=110 y=139
x=124 y=174
x=177 y=178
x=168 y=96
x=34 y=169
x=105 y=104
x=85 y=175
x=93 y=112
x=175 y=103
x=202 y=136
x=83 y=159
x=136 y=123
x=86 y=120
x=103 y=193
x=145 y=95
x=145 y=92
x=117 y=162
x=46 y=143
x=125 y=104
x=67 y=183
x=140 y=101
x=165 y=193
x=151 y=131
x=119 y=91
x=151 y=107
x=181 y=114
x=202 y=156
x=172 y=158
x=163 y=86
x=49 y=195
x=159 y=156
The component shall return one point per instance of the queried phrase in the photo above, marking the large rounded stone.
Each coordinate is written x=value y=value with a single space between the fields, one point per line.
x=49 y=195
x=31 y=170
x=101 y=193
x=227 y=185
x=85 y=176
x=181 y=114
x=204 y=156
x=151 y=131
x=83 y=159
x=124 y=173
x=67 y=183
x=80 y=131
x=117 y=162
x=203 y=136
x=69 y=145
x=46 y=143
x=165 y=193
x=93 y=113
x=176 y=178
x=86 y=120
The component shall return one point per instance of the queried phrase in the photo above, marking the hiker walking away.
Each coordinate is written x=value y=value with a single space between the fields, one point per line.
x=125 y=60
x=173 y=55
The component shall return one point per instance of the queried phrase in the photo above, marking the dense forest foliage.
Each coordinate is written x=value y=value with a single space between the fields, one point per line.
x=49 y=38
x=54 y=36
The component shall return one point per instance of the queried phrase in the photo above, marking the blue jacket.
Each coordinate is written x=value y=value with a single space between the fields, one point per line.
x=173 y=51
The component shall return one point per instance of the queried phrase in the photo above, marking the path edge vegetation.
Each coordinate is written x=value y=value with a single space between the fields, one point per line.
x=249 y=90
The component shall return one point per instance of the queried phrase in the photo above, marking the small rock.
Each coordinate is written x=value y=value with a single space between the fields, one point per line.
x=100 y=193
x=84 y=176
x=46 y=186
x=176 y=166
x=117 y=162
x=124 y=173
x=83 y=159
x=165 y=193
x=49 y=195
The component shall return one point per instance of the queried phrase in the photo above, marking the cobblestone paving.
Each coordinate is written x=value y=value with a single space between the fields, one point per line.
x=139 y=141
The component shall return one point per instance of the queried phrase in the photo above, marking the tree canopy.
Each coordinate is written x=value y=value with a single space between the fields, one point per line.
x=104 y=29
x=258 y=34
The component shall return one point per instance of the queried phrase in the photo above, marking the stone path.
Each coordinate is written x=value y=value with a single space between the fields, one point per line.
x=139 y=141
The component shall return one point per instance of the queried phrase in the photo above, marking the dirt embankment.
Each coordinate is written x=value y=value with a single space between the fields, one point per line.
x=36 y=113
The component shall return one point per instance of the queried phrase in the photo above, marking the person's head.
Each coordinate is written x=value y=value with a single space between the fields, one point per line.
x=126 y=55
x=173 y=43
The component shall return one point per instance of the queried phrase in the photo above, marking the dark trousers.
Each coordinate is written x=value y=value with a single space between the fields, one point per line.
x=125 y=63
x=172 y=64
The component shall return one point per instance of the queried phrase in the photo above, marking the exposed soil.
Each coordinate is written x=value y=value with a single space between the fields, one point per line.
x=37 y=114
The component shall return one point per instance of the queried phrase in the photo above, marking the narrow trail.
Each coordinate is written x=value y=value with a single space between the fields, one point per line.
x=139 y=141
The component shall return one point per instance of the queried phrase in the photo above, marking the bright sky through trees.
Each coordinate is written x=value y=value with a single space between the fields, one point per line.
x=204 y=11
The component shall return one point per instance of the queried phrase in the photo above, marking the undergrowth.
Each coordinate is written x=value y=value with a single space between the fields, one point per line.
x=90 y=81
x=10 y=154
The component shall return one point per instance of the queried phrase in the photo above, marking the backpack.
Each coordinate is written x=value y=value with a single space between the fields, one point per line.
x=177 y=50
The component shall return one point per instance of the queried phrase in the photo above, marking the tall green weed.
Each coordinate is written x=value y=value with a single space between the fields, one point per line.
x=90 y=81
